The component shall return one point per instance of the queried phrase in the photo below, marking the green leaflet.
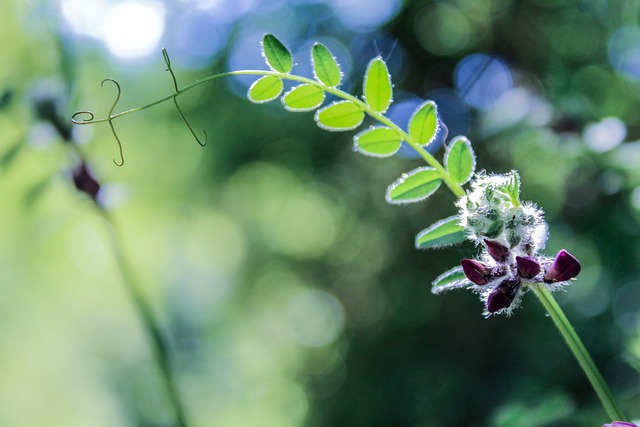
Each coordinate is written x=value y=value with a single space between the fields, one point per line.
x=513 y=188
x=423 y=124
x=339 y=116
x=450 y=279
x=277 y=55
x=460 y=160
x=445 y=232
x=325 y=66
x=377 y=142
x=414 y=186
x=265 y=89
x=304 y=97
x=377 y=85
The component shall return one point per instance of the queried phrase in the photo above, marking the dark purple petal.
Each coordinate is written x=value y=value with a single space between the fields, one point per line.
x=476 y=271
x=564 y=267
x=497 y=251
x=503 y=295
x=85 y=182
x=528 y=266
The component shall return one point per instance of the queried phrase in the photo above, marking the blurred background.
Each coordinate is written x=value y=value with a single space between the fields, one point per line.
x=291 y=293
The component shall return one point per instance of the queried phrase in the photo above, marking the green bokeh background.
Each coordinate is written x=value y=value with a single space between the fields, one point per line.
x=289 y=290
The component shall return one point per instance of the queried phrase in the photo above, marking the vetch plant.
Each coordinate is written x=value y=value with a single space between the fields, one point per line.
x=510 y=234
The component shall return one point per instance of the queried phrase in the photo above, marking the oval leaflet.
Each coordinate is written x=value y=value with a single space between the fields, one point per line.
x=377 y=142
x=377 y=85
x=265 y=89
x=304 y=97
x=277 y=55
x=325 y=67
x=423 y=124
x=339 y=116
x=414 y=186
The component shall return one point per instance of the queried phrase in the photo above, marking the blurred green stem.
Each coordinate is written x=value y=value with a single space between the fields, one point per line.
x=580 y=352
x=158 y=344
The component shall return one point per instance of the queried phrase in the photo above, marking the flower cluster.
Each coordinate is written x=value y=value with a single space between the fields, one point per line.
x=511 y=235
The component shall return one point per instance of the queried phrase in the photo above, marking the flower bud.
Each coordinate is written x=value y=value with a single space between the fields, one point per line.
x=528 y=266
x=85 y=182
x=565 y=266
x=476 y=271
x=497 y=251
x=503 y=295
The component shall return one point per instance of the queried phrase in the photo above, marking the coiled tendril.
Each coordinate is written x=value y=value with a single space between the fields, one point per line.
x=89 y=117
x=167 y=61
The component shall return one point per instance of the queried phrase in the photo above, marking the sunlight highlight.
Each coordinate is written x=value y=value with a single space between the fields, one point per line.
x=133 y=28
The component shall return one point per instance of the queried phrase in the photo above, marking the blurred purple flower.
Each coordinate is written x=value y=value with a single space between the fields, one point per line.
x=620 y=424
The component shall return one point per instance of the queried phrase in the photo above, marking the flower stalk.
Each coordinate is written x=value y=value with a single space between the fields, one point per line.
x=580 y=352
x=158 y=344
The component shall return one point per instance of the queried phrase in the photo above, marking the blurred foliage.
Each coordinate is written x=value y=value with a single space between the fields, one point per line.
x=290 y=290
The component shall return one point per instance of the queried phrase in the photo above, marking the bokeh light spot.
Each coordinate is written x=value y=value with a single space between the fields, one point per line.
x=133 y=28
x=481 y=79
x=605 y=135
x=364 y=15
x=315 y=318
x=453 y=112
x=197 y=37
x=442 y=29
x=635 y=198
x=624 y=51
x=84 y=16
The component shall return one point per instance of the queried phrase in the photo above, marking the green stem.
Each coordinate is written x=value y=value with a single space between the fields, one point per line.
x=580 y=352
x=157 y=342
x=424 y=154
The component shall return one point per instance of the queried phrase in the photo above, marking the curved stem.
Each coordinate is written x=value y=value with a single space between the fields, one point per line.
x=158 y=343
x=580 y=352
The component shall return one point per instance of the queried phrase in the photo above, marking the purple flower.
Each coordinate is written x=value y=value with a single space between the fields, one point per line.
x=563 y=268
x=503 y=294
x=620 y=424
x=85 y=182
x=528 y=266
x=476 y=271
x=497 y=251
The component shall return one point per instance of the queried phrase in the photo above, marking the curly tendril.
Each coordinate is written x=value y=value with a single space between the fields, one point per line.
x=89 y=118
x=167 y=61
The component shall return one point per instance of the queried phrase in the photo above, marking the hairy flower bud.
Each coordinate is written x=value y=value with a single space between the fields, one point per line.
x=528 y=266
x=476 y=271
x=503 y=294
x=497 y=251
x=564 y=267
